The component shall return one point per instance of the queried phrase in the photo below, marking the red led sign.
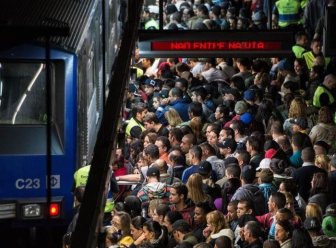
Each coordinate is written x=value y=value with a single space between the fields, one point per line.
x=215 y=45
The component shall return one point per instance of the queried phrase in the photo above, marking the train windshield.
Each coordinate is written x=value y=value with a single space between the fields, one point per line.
x=22 y=93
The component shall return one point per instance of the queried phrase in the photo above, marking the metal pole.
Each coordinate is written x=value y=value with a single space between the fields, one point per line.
x=49 y=120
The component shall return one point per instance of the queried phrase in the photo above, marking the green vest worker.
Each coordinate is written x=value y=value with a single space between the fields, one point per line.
x=301 y=42
x=323 y=95
x=138 y=112
x=288 y=12
x=81 y=176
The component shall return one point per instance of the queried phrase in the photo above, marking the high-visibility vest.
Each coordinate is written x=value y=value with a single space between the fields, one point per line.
x=151 y=24
x=132 y=123
x=309 y=57
x=298 y=51
x=81 y=176
x=318 y=92
x=289 y=12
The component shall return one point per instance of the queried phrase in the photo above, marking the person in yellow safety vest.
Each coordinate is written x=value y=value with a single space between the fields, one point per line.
x=316 y=50
x=323 y=94
x=81 y=176
x=301 y=42
x=138 y=112
x=287 y=13
x=150 y=17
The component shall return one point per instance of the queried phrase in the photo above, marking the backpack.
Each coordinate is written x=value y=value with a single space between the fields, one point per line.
x=260 y=205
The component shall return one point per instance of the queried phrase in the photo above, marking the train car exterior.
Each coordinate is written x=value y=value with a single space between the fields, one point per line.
x=80 y=72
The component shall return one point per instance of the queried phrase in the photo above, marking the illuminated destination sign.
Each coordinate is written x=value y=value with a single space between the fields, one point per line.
x=202 y=44
x=214 y=45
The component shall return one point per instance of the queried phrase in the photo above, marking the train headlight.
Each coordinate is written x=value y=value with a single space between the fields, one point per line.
x=32 y=211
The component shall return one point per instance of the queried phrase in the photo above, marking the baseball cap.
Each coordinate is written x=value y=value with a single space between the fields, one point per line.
x=301 y=122
x=285 y=65
x=264 y=164
x=153 y=172
x=153 y=9
x=329 y=226
x=228 y=143
x=248 y=173
x=204 y=168
x=164 y=93
x=181 y=225
x=246 y=118
x=240 y=107
x=132 y=88
x=312 y=223
x=150 y=82
x=270 y=153
x=249 y=95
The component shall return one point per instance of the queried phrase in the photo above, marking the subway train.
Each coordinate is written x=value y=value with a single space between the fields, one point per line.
x=52 y=94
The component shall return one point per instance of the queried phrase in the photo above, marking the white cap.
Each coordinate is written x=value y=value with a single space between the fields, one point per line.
x=153 y=9
x=264 y=164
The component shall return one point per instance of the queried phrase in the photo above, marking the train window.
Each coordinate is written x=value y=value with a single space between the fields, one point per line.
x=23 y=113
x=22 y=93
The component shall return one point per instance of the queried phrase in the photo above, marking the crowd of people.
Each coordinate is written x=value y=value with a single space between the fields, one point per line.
x=228 y=152
x=238 y=15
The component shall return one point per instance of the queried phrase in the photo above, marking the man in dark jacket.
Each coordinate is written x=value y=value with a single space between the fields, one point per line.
x=251 y=234
x=303 y=176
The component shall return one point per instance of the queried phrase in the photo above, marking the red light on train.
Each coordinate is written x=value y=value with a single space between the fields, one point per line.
x=215 y=45
x=54 y=209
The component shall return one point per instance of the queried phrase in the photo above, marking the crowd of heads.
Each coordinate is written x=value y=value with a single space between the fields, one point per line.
x=226 y=152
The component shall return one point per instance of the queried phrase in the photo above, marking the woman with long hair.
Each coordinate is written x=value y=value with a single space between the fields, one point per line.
x=297 y=109
x=155 y=234
x=319 y=190
x=120 y=231
x=217 y=226
x=196 y=126
x=325 y=129
x=136 y=228
x=195 y=189
x=149 y=138
x=323 y=161
x=173 y=118
x=283 y=233
x=313 y=210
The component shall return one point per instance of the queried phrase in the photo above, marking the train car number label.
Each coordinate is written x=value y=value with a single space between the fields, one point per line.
x=27 y=183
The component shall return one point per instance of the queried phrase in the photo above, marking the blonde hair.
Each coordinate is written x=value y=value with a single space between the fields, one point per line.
x=322 y=161
x=314 y=210
x=297 y=108
x=173 y=117
x=217 y=220
x=153 y=204
x=196 y=126
x=195 y=190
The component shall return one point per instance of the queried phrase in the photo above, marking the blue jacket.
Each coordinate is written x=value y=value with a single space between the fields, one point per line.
x=181 y=107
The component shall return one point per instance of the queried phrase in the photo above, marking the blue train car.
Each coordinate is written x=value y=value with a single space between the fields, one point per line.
x=80 y=68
